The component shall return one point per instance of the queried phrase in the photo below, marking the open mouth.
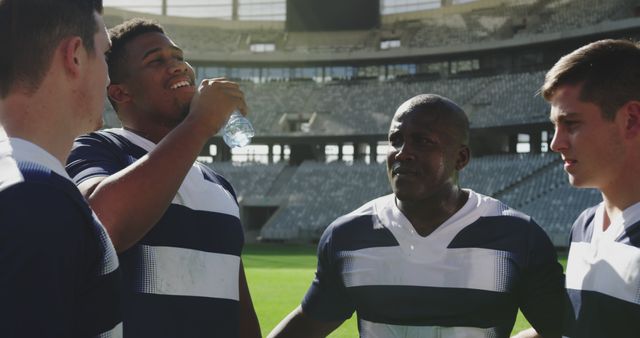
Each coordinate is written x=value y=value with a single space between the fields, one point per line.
x=180 y=84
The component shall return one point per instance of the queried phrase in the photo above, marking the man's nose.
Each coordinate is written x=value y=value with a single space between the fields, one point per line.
x=559 y=140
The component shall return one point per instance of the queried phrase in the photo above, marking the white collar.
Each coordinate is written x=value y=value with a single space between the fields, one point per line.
x=628 y=217
x=392 y=218
x=24 y=151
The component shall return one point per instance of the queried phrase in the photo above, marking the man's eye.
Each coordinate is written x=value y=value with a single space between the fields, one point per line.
x=571 y=124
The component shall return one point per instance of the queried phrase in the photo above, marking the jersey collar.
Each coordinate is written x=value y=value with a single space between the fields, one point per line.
x=24 y=151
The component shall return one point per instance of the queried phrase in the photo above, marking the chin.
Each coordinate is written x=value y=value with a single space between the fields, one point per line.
x=92 y=126
x=581 y=182
x=404 y=195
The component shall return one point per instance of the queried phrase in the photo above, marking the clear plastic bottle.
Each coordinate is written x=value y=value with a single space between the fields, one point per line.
x=238 y=131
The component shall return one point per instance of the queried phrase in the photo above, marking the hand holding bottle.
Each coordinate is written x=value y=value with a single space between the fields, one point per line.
x=213 y=103
x=238 y=131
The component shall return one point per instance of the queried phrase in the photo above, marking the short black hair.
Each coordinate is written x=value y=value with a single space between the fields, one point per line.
x=122 y=34
x=31 y=30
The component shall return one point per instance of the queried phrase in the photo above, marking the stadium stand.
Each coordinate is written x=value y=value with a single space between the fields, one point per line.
x=249 y=179
x=564 y=15
x=515 y=18
x=318 y=193
x=492 y=175
x=365 y=106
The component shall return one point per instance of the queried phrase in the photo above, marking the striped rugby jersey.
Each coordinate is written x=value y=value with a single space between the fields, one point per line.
x=181 y=279
x=466 y=279
x=603 y=275
x=59 y=273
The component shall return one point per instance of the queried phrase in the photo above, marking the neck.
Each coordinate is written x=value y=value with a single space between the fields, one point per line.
x=614 y=206
x=427 y=215
x=150 y=135
x=151 y=131
x=40 y=120
x=623 y=191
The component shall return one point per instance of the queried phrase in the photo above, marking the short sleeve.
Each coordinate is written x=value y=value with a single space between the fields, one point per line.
x=43 y=260
x=327 y=298
x=542 y=296
x=94 y=155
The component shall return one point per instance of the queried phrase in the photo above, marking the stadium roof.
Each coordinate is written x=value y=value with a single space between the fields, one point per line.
x=271 y=10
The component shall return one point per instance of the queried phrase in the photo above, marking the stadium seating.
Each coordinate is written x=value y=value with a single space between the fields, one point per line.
x=493 y=174
x=366 y=106
x=317 y=193
x=249 y=179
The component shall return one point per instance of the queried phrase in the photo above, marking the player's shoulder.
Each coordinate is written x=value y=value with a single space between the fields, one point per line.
x=366 y=211
x=37 y=179
x=359 y=223
x=586 y=216
x=43 y=208
x=108 y=148
x=493 y=207
x=42 y=188
x=112 y=139
x=582 y=228
x=104 y=136
x=497 y=215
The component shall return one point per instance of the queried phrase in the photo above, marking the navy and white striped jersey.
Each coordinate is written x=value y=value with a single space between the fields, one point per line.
x=603 y=275
x=466 y=279
x=181 y=279
x=59 y=273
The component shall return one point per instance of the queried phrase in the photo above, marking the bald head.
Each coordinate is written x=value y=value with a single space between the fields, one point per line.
x=441 y=110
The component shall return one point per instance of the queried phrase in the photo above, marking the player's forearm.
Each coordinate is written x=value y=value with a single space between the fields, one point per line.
x=298 y=324
x=293 y=325
x=130 y=202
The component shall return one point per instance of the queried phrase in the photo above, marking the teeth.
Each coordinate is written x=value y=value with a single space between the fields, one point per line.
x=180 y=84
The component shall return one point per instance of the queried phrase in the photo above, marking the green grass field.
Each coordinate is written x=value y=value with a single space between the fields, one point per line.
x=278 y=277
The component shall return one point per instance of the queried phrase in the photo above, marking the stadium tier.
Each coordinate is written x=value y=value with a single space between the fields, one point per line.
x=308 y=90
x=477 y=22
x=365 y=106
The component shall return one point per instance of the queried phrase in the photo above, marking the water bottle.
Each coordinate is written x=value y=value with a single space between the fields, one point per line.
x=238 y=131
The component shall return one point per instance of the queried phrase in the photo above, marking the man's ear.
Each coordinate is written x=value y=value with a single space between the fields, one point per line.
x=118 y=93
x=631 y=111
x=464 y=155
x=73 y=54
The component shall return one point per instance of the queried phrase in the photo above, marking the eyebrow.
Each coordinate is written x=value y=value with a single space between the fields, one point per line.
x=155 y=50
x=563 y=116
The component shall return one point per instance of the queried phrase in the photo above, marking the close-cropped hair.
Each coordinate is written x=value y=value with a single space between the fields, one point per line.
x=120 y=36
x=444 y=109
x=30 y=32
x=608 y=72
